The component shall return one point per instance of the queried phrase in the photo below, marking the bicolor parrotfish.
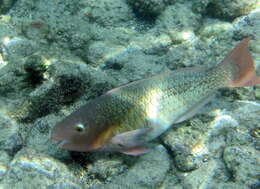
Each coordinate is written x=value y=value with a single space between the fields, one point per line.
x=126 y=118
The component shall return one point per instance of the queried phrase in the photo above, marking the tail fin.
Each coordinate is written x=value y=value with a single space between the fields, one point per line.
x=240 y=61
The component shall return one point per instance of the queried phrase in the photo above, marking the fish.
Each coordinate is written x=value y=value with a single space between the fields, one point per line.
x=127 y=118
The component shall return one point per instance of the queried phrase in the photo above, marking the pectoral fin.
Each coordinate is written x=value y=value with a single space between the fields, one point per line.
x=138 y=150
x=132 y=142
x=130 y=139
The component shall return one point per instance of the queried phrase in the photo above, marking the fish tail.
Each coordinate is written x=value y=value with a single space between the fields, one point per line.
x=239 y=64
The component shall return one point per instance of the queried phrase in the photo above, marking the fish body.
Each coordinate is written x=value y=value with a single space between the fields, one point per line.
x=126 y=118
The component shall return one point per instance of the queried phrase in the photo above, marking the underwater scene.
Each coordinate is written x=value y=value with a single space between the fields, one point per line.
x=129 y=94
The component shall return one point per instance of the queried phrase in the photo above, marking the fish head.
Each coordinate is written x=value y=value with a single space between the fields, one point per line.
x=70 y=135
x=80 y=131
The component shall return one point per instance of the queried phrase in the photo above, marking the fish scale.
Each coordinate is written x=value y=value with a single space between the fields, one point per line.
x=127 y=117
x=174 y=99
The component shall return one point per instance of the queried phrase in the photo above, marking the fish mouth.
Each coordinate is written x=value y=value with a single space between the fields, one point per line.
x=59 y=141
x=66 y=144
x=69 y=145
x=61 y=144
x=55 y=139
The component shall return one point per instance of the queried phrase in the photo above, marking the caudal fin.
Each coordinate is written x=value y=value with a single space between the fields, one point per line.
x=240 y=61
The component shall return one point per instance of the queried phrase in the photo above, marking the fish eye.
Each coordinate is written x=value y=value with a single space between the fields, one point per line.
x=79 y=127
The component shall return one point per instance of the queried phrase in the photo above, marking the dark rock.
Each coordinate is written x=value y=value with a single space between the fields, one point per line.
x=5 y=5
x=230 y=9
x=148 y=172
x=50 y=96
x=10 y=139
x=148 y=8
x=30 y=169
x=243 y=164
x=35 y=67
